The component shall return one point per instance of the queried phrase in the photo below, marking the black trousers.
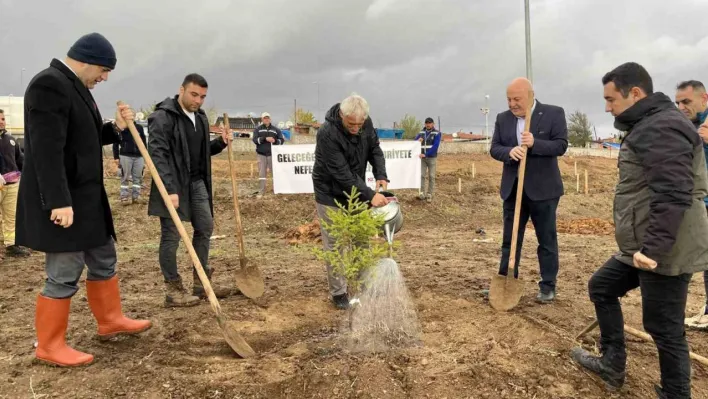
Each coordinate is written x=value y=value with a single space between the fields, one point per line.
x=663 y=311
x=543 y=217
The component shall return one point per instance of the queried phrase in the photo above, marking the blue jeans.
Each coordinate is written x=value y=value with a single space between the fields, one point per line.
x=132 y=170
x=203 y=223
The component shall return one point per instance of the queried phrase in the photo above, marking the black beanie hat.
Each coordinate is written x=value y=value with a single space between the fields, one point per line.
x=94 y=49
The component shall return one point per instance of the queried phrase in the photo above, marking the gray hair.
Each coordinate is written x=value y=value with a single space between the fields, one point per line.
x=355 y=105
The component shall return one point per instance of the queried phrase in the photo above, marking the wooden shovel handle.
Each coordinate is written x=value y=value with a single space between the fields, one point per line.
x=646 y=337
x=519 y=193
x=175 y=218
x=641 y=334
x=234 y=188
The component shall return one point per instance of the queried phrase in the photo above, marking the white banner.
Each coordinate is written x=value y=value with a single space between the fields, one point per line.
x=292 y=166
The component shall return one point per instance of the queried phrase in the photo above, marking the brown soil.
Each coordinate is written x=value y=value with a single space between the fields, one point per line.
x=305 y=233
x=468 y=349
x=592 y=226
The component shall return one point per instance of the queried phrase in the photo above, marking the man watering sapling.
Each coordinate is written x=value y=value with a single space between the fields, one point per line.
x=346 y=142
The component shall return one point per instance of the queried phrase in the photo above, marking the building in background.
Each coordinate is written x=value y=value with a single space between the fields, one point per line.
x=14 y=108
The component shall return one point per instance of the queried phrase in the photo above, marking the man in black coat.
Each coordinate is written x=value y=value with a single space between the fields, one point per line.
x=63 y=208
x=346 y=142
x=181 y=151
x=543 y=186
x=264 y=137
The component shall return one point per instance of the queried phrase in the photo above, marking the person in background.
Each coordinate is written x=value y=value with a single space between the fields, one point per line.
x=11 y=159
x=692 y=100
x=429 y=138
x=265 y=136
x=131 y=163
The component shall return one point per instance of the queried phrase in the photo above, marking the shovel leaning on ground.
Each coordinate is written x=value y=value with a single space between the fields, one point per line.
x=505 y=291
x=233 y=338
x=248 y=278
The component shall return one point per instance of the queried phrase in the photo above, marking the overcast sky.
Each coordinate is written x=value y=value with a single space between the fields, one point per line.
x=426 y=58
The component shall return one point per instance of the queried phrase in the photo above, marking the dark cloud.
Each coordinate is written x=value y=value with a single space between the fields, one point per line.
x=405 y=56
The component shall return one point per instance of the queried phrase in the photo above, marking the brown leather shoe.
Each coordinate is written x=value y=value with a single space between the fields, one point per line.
x=50 y=321
x=177 y=296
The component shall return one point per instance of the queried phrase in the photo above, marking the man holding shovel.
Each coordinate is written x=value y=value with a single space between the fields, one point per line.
x=660 y=226
x=63 y=208
x=181 y=151
x=692 y=100
x=346 y=142
x=543 y=186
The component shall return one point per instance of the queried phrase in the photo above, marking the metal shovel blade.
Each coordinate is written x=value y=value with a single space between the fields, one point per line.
x=505 y=292
x=250 y=281
x=234 y=339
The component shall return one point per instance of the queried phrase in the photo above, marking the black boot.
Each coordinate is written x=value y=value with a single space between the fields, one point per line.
x=660 y=392
x=610 y=366
x=17 y=251
x=341 y=302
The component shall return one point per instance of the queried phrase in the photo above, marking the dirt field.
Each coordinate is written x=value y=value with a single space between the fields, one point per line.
x=469 y=350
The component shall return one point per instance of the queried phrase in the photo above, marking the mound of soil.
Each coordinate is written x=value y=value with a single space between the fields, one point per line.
x=306 y=233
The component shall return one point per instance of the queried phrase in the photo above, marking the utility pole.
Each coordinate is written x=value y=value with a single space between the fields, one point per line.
x=529 y=66
x=485 y=111
x=295 y=113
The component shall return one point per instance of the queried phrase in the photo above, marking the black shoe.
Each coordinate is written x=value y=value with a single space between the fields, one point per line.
x=599 y=365
x=341 y=302
x=17 y=251
x=660 y=392
x=546 y=297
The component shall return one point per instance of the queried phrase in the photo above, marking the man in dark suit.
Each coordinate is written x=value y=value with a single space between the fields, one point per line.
x=543 y=187
x=62 y=207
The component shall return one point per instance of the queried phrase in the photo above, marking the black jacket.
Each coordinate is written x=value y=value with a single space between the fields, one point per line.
x=64 y=138
x=168 y=126
x=658 y=207
x=259 y=138
x=12 y=155
x=127 y=146
x=543 y=179
x=341 y=158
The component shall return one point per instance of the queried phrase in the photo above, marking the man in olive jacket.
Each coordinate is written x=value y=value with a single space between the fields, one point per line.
x=659 y=213
x=181 y=151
